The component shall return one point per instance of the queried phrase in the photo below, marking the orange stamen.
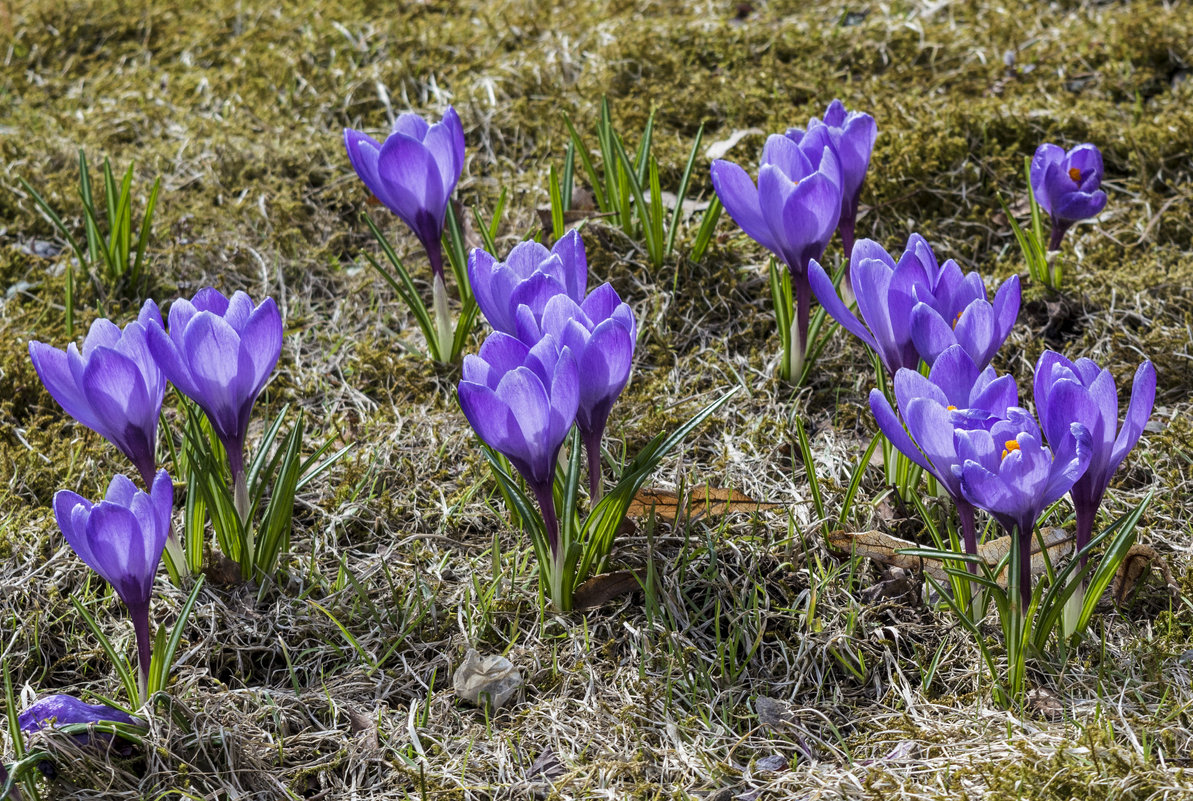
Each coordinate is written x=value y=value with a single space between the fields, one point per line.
x=957 y=319
x=1075 y=173
x=952 y=408
x=1009 y=446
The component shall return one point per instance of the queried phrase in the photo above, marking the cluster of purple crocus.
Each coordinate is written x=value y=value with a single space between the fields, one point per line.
x=558 y=356
x=219 y=352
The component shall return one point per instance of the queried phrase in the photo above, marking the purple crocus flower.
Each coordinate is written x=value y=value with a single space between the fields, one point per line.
x=1081 y=392
x=1008 y=471
x=852 y=134
x=530 y=276
x=219 y=353
x=121 y=538
x=522 y=401
x=955 y=394
x=792 y=212
x=114 y=386
x=600 y=333
x=66 y=710
x=901 y=302
x=413 y=173
x=1067 y=185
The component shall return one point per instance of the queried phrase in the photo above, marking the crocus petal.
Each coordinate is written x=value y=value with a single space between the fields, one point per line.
x=1143 y=396
x=739 y=196
x=892 y=429
x=826 y=294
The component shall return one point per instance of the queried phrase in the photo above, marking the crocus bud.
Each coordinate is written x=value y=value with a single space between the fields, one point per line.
x=530 y=276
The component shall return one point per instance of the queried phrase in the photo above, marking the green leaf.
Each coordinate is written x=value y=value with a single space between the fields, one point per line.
x=681 y=195
x=117 y=659
x=401 y=282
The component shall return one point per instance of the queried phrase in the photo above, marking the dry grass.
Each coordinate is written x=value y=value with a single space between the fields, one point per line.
x=757 y=669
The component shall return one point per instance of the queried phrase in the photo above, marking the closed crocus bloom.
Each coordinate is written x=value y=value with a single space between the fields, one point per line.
x=113 y=386
x=121 y=538
x=413 y=173
x=522 y=401
x=852 y=134
x=600 y=333
x=219 y=352
x=1067 y=185
x=792 y=211
x=1081 y=392
x=1008 y=471
x=530 y=276
x=955 y=394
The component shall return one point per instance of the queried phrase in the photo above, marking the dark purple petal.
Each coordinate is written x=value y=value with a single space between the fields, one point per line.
x=65 y=710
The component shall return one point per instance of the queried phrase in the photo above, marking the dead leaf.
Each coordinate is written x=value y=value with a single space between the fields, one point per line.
x=1134 y=568
x=602 y=588
x=883 y=548
x=719 y=148
x=570 y=217
x=701 y=500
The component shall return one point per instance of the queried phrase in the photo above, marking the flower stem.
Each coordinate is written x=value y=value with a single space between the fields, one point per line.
x=592 y=449
x=969 y=531
x=140 y=617
x=443 y=318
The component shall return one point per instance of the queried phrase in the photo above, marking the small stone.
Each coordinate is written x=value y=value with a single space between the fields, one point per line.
x=491 y=680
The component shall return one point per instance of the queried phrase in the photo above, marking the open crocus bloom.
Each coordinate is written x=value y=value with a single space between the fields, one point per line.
x=852 y=134
x=114 y=386
x=1008 y=471
x=530 y=276
x=955 y=394
x=1067 y=185
x=413 y=173
x=901 y=303
x=522 y=402
x=1081 y=392
x=219 y=353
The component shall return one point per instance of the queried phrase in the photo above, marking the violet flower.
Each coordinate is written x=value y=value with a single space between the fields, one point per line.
x=955 y=394
x=531 y=275
x=121 y=538
x=600 y=333
x=522 y=400
x=114 y=386
x=902 y=302
x=220 y=353
x=66 y=710
x=1008 y=471
x=413 y=173
x=1081 y=392
x=792 y=211
x=852 y=134
x=1067 y=185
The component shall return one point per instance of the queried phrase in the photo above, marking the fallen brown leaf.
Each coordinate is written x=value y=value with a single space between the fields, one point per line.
x=884 y=549
x=602 y=588
x=701 y=500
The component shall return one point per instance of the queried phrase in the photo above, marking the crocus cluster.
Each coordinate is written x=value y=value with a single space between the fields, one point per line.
x=220 y=353
x=809 y=183
x=558 y=356
x=966 y=428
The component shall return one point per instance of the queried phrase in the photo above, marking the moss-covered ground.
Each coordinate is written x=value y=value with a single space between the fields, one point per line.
x=760 y=667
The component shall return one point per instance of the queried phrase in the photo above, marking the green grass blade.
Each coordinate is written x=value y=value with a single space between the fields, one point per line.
x=567 y=182
x=708 y=226
x=556 y=204
x=682 y=194
x=143 y=234
x=594 y=180
x=117 y=659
